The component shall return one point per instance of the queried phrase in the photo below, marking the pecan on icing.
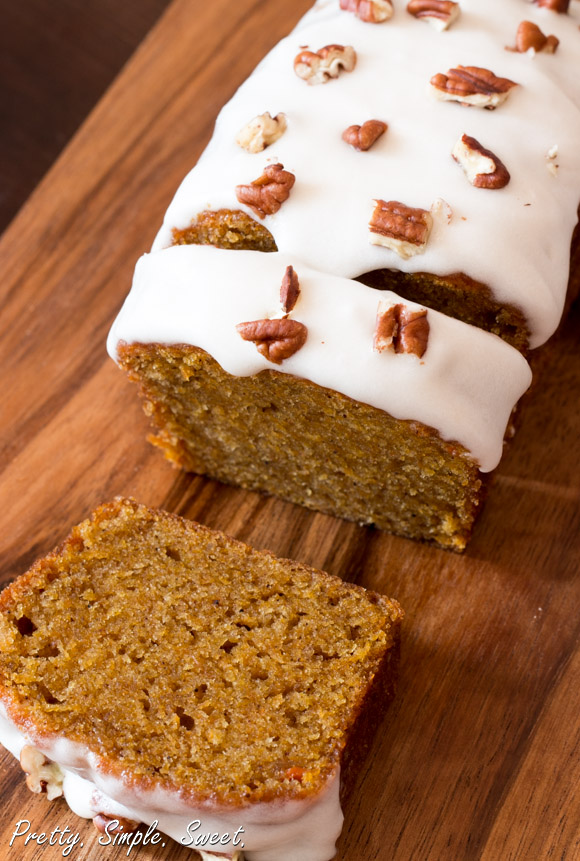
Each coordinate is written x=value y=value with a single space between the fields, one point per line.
x=529 y=36
x=440 y=207
x=552 y=160
x=114 y=824
x=328 y=62
x=554 y=5
x=262 y=131
x=372 y=11
x=363 y=137
x=482 y=167
x=400 y=329
x=399 y=227
x=42 y=774
x=275 y=339
x=266 y=194
x=471 y=85
x=439 y=13
x=289 y=290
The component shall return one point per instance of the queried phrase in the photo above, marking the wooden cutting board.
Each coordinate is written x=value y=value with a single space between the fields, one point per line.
x=478 y=756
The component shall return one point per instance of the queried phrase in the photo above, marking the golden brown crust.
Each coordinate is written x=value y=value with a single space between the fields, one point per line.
x=226 y=228
x=458 y=296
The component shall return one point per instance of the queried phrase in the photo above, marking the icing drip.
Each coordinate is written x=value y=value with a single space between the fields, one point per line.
x=293 y=830
x=465 y=385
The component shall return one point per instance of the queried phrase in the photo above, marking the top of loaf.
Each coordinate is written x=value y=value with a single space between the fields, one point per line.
x=515 y=239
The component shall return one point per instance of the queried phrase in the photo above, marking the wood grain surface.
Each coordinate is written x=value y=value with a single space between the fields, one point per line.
x=56 y=60
x=478 y=756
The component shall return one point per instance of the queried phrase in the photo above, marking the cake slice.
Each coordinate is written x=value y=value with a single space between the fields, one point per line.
x=369 y=407
x=155 y=671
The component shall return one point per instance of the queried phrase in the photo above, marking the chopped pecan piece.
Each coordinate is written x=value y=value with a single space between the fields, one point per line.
x=290 y=290
x=552 y=160
x=441 y=207
x=471 y=85
x=363 y=137
x=262 y=131
x=114 y=824
x=275 y=339
x=373 y=11
x=554 y=5
x=481 y=166
x=399 y=227
x=529 y=36
x=439 y=13
x=320 y=66
x=42 y=774
x=266 y=194
x=401 y=329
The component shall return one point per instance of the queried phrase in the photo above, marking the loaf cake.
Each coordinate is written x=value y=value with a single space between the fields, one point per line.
x=401 y=199
x=155 y=671
x=369 y=434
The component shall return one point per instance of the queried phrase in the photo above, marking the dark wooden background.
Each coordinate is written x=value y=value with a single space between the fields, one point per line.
x=57 y=57
x=477 y=760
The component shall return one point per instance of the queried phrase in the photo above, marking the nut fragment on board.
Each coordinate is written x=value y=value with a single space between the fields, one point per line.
x=318 y=67
x=481 y=166
x=371 y=11
x=363 y=137
x=261 y=132
x=401 y=329
x=42 y=774
x=403 y=229
x=471 y=85
x=266 y=194
x=275 y=339
x=441 y=14
x=530 y=38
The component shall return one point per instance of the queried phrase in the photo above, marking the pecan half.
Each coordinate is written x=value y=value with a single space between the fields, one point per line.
x=266 y=194
x=116 y=824
x=399 y=227
x=554 y=5
x=529 y=36
x=441 y=14
x=328 y=62
x=363 y=137
x=400 y=329
x=262 y=131
x=289 y=290
x=42 y=774
x=481 y=166
x=372 y=11
x=471 y=85
x=276 y=339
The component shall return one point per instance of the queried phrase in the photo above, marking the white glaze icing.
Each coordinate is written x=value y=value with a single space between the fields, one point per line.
x=292 y=830
x=465 y=386
x=516 y=240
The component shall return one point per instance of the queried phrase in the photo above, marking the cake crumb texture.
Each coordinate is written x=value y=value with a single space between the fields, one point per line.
x=187 y=660
x=269 y=432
